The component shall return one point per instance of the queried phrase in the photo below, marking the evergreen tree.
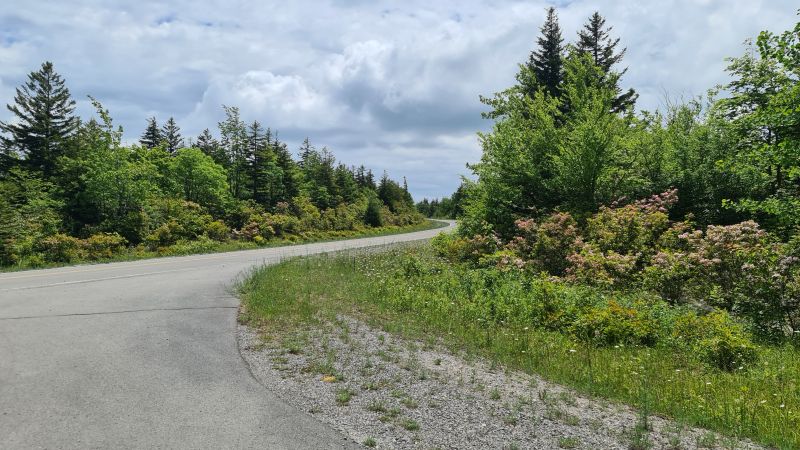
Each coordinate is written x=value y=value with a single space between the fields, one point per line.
x=234 y=143
x=290 y=174
x=547 y=61
x=264 y=177
x=171 y=134
x=43 y=109
x=306 y=152
x=595 y=40
x=152 y=136
x=210 y=146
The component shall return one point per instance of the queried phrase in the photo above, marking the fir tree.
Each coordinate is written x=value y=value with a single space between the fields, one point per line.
x=171 y=134
x=152 y=136
x=290 y=174
x=43 y=109
x=210 y=146
x=306 y=151
x=595 y=40
x=546 y=62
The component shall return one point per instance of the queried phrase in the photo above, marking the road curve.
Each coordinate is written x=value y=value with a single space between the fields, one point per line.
x=143 y=354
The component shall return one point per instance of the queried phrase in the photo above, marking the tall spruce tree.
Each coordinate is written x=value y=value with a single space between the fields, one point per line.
x=171 y=134
x=546 y=62
x=595 y=40
x=261 y=163
x=152 y=136
x=43 y=110
x=211 y=147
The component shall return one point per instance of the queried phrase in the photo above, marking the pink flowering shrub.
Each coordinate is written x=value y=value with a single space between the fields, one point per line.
x=545 y=246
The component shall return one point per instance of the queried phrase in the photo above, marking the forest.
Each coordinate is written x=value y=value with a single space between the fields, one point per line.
x=72 y=190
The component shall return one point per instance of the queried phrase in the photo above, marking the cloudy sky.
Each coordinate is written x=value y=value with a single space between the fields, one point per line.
x=394 y=85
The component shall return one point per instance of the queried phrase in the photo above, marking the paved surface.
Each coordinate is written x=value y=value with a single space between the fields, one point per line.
x=143 y=355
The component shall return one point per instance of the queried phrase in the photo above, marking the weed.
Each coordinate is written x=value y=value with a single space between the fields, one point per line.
x=343 y=396
x=409 y=424
x=370 y=442
x=569 y=442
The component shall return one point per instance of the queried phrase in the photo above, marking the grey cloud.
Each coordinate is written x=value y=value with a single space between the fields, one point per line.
x=392 y=85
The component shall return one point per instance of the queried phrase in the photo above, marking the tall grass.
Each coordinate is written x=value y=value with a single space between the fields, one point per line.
x=410 y=292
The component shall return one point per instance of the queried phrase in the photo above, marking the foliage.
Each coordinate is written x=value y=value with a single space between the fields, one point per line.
x=698 y=367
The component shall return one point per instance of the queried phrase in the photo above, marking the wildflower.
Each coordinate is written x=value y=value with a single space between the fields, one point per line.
x=762 y=402
x=708 y=383
x=572 y=350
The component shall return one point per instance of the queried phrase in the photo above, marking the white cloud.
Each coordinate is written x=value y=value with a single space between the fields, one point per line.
x=392 y=85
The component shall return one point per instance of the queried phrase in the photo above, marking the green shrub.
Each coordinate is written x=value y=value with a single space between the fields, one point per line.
x=613 y=323
x=373 y=216
x=217 y=230
x=455 y=248
x=61 y=248
x=104 y=245
x=716 y=338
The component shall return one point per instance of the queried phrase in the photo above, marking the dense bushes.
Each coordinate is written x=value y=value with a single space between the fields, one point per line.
x=737 y=268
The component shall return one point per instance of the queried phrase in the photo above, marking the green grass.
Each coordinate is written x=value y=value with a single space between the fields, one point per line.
x=187 y=248
x=409 y=292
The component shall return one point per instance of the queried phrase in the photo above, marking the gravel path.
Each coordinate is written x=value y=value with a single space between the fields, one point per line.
x=387 y=392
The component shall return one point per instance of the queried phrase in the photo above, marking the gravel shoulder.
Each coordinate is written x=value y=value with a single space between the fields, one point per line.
x=384 y=391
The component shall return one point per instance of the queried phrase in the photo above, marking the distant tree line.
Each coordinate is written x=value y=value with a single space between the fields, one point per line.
x=65 y=178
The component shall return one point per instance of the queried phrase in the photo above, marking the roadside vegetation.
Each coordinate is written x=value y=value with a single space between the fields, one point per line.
x=646 y=257
x=71 y=191
x=628 y=347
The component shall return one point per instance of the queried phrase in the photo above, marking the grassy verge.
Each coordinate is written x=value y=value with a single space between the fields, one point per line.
x=204 y=247
x=410 y=292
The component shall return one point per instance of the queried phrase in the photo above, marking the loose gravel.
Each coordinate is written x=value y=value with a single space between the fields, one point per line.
x=386 y=392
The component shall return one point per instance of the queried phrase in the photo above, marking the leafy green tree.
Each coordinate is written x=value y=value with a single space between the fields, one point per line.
x=589 y=139
x=44 y=121
x=763 y=109
x=152 y=136
x=546 y=62
x=595 y=40
x=115 y=185
x=171 y=135
x=199 y=178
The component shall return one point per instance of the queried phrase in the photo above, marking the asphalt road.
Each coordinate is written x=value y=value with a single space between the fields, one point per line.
x=143 y=355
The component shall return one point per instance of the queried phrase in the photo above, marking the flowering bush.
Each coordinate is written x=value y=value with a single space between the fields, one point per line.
x=590 y=265
x=545 y=246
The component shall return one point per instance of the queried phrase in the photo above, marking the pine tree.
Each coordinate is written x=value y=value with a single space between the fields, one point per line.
x=233 y=141
x=261 y=163
x=152 y=136
x=171 y=134
x=547 y=62
x=290 y=173
x=595 y=40
x=210 y=146
x=43 y=109
x=306 y=151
